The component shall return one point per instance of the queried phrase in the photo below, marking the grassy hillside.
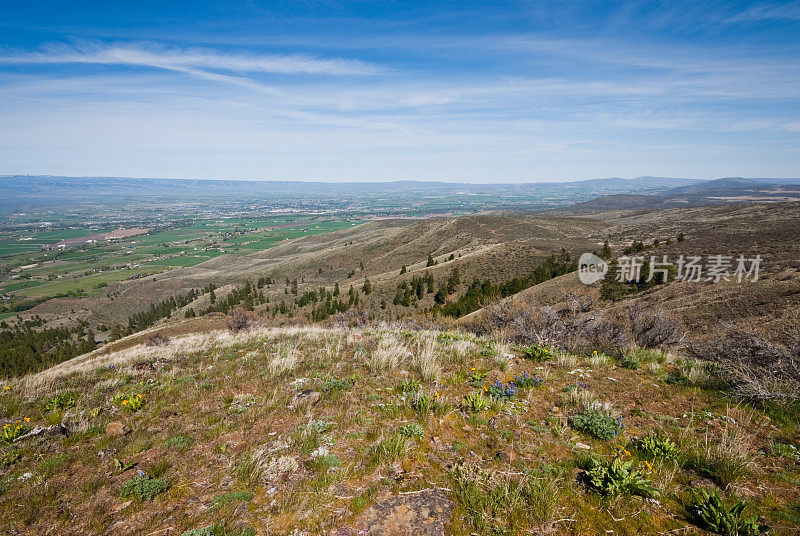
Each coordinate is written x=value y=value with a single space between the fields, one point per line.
x=310 y=430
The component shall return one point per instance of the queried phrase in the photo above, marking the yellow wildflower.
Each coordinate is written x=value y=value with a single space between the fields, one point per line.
x=649 y=467
x=27 y=419
x=124 y=402
x=8 y=387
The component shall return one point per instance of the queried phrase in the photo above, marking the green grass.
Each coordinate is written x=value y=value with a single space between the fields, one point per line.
x=89 y=284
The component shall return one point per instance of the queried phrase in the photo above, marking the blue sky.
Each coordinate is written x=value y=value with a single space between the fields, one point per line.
x=457 y=91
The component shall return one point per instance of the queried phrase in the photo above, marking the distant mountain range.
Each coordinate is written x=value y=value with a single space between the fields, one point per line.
x=726 y=190
x=31 y=191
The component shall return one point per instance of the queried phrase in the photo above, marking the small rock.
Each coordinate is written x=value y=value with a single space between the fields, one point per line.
x=506 y=455
x=117 y=429
x=582 y=446
x=306 y=397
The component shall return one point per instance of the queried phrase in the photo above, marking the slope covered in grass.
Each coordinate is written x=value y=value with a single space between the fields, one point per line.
x=303 y=430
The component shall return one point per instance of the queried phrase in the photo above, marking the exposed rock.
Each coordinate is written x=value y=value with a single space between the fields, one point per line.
x=117 y=428
x=583 y=446
x=55 y=430
x=423 y=514
x=306 y=397
x=506 y=455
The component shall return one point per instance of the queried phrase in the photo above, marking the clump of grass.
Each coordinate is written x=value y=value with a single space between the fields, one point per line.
x=412 y=429
x=656 y=446
x=234 y=496
x=725 y=460
x=60 y=401
x=597 y=422
x=475 y=402
x=786 y=450
x=426 y=361
x=408 y=386
x=709 y=512
x=144 y=487
x=179 y=442
x=502 y=355
x=388 y=355
x=260 y=466
x=497 y=504
x=425 y=404
x=535 y=353
x=616 y=477
x=325 y=460
x=285 y=360
x=219 y=530
x=630 y=363
x=389 y=449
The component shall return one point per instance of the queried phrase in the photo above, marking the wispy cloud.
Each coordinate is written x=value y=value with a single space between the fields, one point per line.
x=789 y=10
x=198 y=61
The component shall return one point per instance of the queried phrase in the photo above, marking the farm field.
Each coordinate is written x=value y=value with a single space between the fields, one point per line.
x=36 y=269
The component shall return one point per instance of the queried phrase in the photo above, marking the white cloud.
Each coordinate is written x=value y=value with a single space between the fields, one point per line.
x=196 y=61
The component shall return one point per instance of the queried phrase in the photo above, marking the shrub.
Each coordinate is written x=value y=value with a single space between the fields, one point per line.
x=157 y=339
x=130 y=400
x=60 y=401
x=144 y=487
x=708 y=511
x=412 y=429
x=13 y=430
x=336 y=384
x=598 y=423
x=656 y=446
x=10 y=458
x=475 y=402
x=475 y=378
x=654 y=329
x=408 y=386
x=630 y=363
x=425 y=403
x=535 y=353
x=615 y=477
x=240 y=320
